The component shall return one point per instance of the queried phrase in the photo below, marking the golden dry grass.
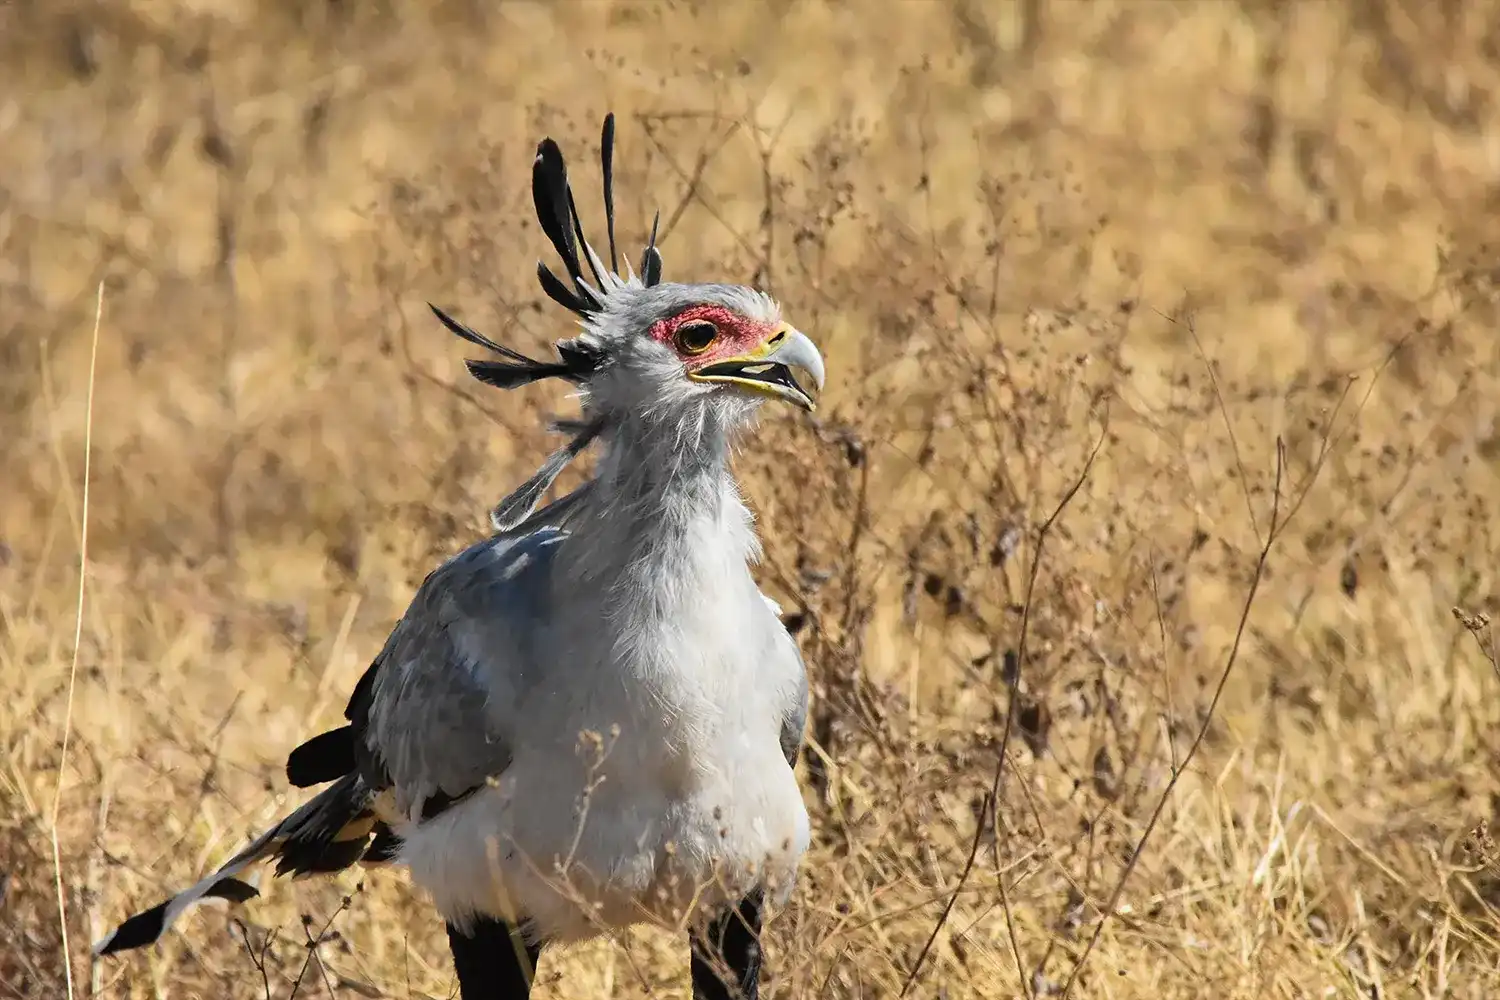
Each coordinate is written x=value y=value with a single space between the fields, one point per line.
x=1016 y=230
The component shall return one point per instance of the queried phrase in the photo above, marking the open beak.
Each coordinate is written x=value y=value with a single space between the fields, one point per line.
x=772 y=369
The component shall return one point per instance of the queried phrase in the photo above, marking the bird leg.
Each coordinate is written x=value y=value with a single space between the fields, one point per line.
x=493 y=961
x=730 y=944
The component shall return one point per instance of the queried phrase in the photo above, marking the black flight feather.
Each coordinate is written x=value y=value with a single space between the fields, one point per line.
x=321 y=859
x=367 y=760
x=607 y=162
x=326 y=757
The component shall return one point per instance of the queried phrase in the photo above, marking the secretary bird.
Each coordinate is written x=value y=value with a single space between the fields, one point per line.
x=587 y=720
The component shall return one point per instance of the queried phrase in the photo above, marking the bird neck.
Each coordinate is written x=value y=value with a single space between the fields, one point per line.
x=666 y=511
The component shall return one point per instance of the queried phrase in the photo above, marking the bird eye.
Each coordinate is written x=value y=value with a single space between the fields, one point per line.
x=696 y=337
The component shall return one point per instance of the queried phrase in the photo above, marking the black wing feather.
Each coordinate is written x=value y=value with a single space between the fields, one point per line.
x=367 y=761
x=324 y=758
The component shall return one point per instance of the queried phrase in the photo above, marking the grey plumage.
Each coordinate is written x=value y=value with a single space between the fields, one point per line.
x=432 y=723
x=588 y=719
x=517 y=507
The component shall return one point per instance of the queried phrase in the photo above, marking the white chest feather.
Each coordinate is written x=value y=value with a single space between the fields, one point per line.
x=653 y=781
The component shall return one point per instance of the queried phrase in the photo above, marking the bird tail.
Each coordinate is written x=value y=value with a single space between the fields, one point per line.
x=332 y=831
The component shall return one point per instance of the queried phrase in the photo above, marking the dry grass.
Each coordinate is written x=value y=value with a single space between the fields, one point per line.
x=1018 y=231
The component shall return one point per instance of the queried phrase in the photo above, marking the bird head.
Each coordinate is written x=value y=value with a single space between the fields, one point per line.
x=649 y=350
x=673 y=349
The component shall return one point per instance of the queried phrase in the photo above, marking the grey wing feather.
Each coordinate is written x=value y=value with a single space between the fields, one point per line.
x=423 y=726
x=556 y=514
x=459 y=651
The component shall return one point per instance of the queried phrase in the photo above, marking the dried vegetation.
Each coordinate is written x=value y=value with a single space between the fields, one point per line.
x=1241 y=255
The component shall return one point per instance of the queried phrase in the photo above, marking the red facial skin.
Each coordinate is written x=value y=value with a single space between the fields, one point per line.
x=737 y=334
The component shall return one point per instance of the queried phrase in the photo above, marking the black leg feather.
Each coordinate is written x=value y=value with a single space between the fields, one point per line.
x=492 y=961
x=726 y=957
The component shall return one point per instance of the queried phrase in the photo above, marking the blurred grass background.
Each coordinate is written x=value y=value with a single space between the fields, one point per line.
x=1181 y=232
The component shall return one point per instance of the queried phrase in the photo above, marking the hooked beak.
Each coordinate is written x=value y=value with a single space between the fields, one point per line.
x=769 y=369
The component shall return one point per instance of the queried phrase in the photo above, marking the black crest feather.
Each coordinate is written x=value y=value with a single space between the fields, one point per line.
x=651 y=258
x=559 y=292
x=558 y=216
x=607 y=169
x=518 y=370
x=503 y=375
x=580 y=356
x=583 y=240
x=557 y=212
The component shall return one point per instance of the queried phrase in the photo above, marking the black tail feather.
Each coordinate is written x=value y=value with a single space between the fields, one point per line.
x=147 y=926
x=329 y=832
